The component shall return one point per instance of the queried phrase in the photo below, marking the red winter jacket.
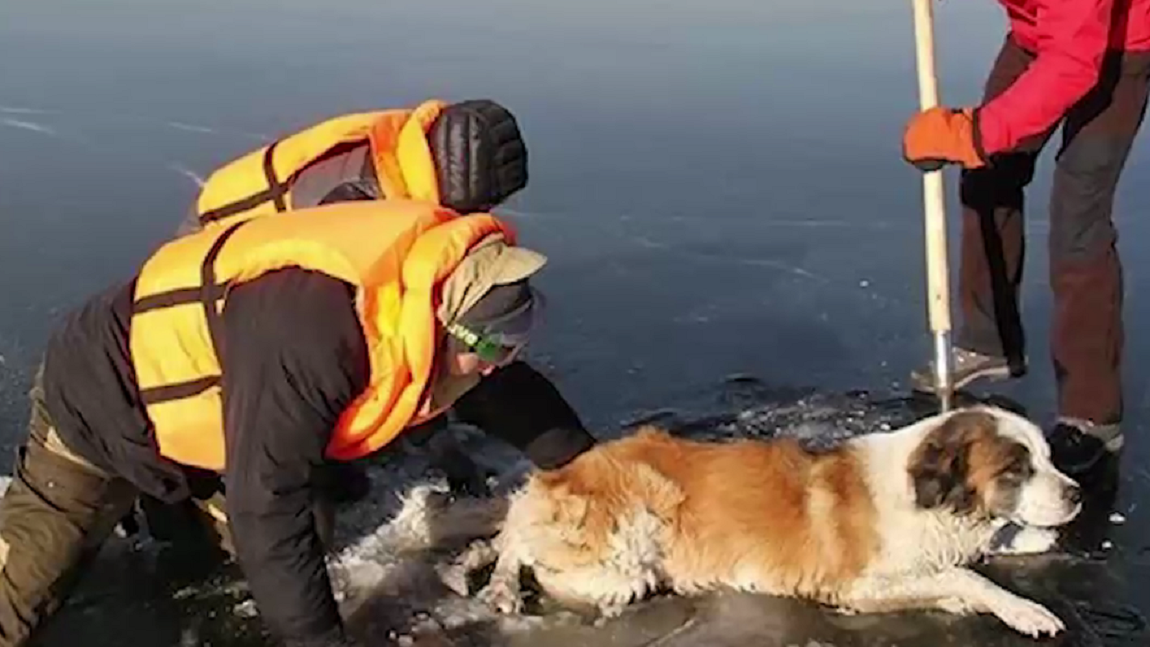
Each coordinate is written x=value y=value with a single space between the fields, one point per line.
x=1069 y=38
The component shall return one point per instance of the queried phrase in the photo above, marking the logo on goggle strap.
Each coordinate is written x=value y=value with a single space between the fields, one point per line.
x=488 y=349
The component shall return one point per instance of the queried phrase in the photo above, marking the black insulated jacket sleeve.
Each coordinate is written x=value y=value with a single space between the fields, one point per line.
x=294 y=357
x=520 y=406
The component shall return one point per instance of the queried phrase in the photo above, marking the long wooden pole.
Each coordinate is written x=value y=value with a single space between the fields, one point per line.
x=938 y=283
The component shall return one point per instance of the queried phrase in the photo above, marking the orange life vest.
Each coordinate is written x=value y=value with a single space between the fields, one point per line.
x=397 y=253
x=259 y=183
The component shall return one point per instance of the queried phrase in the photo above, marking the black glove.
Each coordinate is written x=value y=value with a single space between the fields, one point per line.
x=523 y=408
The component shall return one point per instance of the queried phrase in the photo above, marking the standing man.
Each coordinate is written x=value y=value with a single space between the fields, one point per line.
x=1084 y=65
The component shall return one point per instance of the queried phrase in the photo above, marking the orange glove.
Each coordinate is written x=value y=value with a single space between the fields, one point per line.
x=940 y=136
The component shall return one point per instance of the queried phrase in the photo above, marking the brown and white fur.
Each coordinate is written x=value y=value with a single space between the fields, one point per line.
x=885 y=522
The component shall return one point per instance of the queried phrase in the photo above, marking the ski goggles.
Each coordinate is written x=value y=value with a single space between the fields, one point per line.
x=499 y=341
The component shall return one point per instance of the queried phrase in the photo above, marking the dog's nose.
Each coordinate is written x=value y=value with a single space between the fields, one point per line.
x=1074 y=494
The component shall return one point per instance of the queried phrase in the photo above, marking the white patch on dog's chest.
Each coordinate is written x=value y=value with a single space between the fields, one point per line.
x=915 y=541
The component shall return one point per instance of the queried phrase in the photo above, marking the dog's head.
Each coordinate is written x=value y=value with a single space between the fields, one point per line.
x=989 y=463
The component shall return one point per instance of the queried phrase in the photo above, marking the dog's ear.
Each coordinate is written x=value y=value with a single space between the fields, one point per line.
x=940 y=468
x=567 y=507
x=939 y=479
x=661 y=493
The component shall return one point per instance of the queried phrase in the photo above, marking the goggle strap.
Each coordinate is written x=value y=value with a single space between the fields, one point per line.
x=484 y=347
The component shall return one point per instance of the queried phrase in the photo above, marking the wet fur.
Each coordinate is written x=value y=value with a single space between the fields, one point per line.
x=884 y=522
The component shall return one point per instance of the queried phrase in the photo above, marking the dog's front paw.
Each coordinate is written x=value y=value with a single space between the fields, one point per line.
x=502 y=595
x=454 y=577
x=1028 y=617
x=956 y=605
x=613 y=607
x=455 y=574
x=1027 y=540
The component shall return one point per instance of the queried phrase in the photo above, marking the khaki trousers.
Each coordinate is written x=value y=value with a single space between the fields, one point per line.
x=55 y=515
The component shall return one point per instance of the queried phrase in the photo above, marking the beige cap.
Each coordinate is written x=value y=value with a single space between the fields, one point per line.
x=492 y=262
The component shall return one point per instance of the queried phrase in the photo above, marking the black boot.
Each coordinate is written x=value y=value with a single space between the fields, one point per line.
x=1078 y=447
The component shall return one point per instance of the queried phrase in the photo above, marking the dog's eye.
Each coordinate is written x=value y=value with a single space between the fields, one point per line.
x=1017 y=467
x=1011 y=478
x=1018 y=471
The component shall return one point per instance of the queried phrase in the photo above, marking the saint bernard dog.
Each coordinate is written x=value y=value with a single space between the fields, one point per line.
x=883 y=522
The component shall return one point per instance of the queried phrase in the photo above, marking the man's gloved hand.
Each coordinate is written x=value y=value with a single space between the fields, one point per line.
x=940 y=136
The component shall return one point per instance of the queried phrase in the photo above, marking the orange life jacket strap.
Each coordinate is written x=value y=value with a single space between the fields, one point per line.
x=209 y=292
x=274 y=193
